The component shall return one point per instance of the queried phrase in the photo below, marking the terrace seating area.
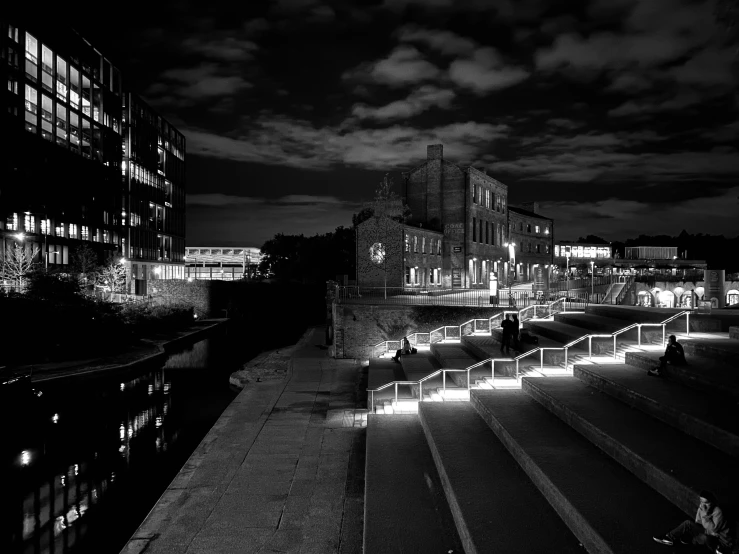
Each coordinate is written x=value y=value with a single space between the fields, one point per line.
x=569 y=445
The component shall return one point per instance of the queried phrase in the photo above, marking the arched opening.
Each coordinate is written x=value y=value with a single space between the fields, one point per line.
x=644 y=298
x=666 y=299
x=732 y=298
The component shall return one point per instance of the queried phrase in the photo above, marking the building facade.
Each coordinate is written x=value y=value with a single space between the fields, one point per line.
x=153 y=176
x=469 y=208
x=61 y=121
x=532 y=236
x=85 y=163
x=394 y=254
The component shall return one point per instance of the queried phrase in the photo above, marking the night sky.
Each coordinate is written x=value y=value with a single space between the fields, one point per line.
x=618 y=116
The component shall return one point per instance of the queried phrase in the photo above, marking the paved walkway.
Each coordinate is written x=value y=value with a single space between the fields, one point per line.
x=282 y=470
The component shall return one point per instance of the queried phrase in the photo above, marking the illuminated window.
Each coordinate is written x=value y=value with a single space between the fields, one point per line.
x=537 y=229
x=86 y=95
x=31 y=48
x=13 y=33
x=73 y=231
x=74 y=87
x=29 y=223
x=546 y=230
x=46 y=117
x=47 y=62
x=74 y=130
x=85 y=233
x=423 y=245
x=11 y=223
x=407 y=240
x=59 y=230
x=106 y=236
x=547 y=249
x=61 y=78
x=438 y=246
x=556 y=249
x=45 y=225
x=474 y=229
x=31 y=108
x=415 y=245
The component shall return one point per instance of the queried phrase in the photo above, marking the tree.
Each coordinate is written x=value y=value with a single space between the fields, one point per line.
x=111 y=275
x=17 y=264
x=85 y=262
x=381 y=243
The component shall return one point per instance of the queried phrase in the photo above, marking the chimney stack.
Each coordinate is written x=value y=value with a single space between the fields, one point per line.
x=531 y=206
x=435 y=152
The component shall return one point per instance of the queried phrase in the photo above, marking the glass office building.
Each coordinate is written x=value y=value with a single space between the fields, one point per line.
x=85 y=162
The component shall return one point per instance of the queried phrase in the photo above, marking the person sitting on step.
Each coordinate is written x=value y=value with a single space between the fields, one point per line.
x=406 y=349
x=710 y=528
x=674 y=355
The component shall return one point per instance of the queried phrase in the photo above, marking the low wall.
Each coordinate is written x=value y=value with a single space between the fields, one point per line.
x=359 y=327
x=208 y=298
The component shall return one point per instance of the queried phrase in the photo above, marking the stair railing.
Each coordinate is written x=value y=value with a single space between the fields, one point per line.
x=540 y=350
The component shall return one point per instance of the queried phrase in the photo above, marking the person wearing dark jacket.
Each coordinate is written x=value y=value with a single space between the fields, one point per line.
x=674 y=355
x=507 y=326
x=406 y=349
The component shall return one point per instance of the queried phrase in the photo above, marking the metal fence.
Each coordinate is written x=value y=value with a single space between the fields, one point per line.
x=450 y=297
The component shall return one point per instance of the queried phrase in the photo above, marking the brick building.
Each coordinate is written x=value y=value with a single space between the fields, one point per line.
x=469 y=207
x=533 y=237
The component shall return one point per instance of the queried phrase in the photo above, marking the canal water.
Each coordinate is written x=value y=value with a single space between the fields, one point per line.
x=84 y=462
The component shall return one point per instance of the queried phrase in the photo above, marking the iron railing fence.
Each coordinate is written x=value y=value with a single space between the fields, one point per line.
x=480 y=298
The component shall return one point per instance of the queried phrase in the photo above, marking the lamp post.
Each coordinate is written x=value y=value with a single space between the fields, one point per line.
x=567 y=274
x=592 y=278
x=511 y=260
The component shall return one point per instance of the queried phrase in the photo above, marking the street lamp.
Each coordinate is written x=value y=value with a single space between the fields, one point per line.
x=511 y=260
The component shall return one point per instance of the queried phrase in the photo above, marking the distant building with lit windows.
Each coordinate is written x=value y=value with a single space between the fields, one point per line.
x=222 y=263
x=84 y=162
x=533 y=237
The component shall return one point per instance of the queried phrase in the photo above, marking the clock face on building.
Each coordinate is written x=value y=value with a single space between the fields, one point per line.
x=377 y=253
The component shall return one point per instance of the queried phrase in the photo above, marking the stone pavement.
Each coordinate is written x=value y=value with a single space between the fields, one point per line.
x=282 y=470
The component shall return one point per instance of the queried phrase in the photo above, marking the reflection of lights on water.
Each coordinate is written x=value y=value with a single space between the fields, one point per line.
x=166 y=408
x=83 y=507
x=122 y=429
x=25 y=458
x=72 y=516
x=59 y=525
x=151 y=389
x=55 y=418
x=94 y=496
x=159 y=443
x=130 y=430
x=123 y=386
x=159 y=422
x=76 y=469
x=122 y=449
x=112 y=476
x=29 y=524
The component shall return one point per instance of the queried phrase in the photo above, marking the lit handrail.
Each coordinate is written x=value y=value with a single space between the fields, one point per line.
x=566 y=348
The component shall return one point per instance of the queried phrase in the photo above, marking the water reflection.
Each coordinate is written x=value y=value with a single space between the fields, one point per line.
x=93 y=453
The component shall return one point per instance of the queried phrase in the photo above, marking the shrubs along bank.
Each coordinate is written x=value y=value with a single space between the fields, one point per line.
x=55 y=322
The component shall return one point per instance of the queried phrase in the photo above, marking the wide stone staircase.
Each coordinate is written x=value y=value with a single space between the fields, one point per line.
x=553 y=451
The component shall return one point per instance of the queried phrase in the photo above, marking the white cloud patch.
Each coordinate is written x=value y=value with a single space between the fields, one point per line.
x=194 y=85
x=417 y=102
x=297 y=143
x=404 y=66
x=486 y=71
x=445 y=42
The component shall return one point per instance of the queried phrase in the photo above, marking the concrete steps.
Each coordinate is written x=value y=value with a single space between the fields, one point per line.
x=677 y=466
x=564 y=333
x=704 y=374
x=697 y=414
x=589 y=490
x=399 y=465
x=494 y=504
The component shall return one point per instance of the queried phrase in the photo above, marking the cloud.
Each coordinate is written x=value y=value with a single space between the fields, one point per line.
x=405 y=65
x=565 y=123
x=282 y=141
x=683 y=99
x=445 y=42
x=629 y=82
x=195 y=85
x=226 y=48
x=485 y=72
x=417 y=102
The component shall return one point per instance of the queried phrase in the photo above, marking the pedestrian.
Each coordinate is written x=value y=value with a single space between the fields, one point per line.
x=516 y=331
x=405 y=349
x=710 y=528
x=674 y=354
x=505 y=342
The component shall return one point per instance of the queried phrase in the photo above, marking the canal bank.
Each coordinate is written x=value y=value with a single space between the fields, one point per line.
x=150 y=352
x=282 y=470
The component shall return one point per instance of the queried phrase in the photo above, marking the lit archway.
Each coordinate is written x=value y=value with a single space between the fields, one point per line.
x=666 y=299
x=644 y=298
x=732 y=298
